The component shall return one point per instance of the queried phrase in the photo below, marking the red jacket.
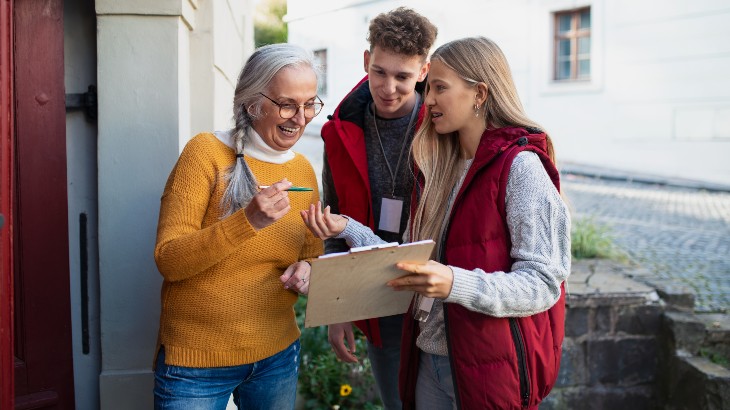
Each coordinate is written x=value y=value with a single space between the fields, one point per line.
x=497 y=363
x=344 y=144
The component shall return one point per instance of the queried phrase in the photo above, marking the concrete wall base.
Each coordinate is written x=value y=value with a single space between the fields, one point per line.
x=115 y=389
x=628 y=347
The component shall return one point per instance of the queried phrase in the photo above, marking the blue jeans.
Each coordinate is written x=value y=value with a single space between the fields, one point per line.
x=386 y=360
x=435 y=386
x=270 y=383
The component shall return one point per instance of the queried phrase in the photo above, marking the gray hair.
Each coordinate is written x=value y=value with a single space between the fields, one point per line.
x=255 y=76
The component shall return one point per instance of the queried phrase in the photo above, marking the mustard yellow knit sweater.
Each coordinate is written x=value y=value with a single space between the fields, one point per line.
x=222 y=301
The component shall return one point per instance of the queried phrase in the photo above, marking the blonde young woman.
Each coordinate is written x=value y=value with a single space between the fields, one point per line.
x=487 y=191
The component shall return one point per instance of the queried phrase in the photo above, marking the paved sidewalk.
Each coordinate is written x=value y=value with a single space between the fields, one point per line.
x=682 y=235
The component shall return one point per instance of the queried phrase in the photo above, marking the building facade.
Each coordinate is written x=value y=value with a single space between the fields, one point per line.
x=635 y=87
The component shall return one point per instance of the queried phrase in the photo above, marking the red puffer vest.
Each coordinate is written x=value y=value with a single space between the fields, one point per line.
x=344 y=143
x=497 y=363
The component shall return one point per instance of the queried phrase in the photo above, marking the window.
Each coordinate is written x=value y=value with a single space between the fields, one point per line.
x=573 y=44
x=320 y=57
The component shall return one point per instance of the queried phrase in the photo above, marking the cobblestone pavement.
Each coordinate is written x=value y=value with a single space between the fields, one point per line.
x=682 y=235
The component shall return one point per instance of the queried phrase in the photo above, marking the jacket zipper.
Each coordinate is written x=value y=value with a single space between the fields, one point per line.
x=520 y=347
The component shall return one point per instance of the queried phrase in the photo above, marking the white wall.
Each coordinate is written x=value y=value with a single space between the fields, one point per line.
x=158 y=84
x=658 y=101
x=222 y=39
x=660 y=96
x=80 y=71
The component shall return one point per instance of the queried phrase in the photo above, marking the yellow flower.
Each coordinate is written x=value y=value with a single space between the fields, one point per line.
x=345 y=390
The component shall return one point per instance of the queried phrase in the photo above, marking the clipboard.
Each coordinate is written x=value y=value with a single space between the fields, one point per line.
x=351 y=286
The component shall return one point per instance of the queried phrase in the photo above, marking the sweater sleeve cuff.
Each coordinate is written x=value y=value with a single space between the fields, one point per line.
x=237 y=228
x=357 y=234
x=464 y=289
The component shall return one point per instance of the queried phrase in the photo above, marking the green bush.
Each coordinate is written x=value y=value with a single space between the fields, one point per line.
x=327 y=383
x=590 y=239
x=269 y=26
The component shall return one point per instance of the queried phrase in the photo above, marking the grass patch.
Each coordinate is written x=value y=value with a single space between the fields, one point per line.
x=591 y=239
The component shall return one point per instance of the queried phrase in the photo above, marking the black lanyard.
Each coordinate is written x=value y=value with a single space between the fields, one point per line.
x=402 y=148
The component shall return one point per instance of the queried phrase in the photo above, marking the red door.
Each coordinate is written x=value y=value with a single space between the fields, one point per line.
x=43 y=370
x=7 y=361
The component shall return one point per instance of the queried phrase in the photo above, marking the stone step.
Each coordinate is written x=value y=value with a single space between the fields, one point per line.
x=701 y=334
x=697 y=383
x=717 y=326
x=716 y=346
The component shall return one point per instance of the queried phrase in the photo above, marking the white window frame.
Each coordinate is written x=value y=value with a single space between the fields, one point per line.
x=546 y=42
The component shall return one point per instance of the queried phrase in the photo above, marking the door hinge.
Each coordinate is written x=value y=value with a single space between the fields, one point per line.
x=86 y=101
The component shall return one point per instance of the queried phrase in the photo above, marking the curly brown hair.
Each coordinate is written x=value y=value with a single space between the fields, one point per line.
x=402 y=31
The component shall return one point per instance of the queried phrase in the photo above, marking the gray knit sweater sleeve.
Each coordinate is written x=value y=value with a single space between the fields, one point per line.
x=539 y=226
x=357 y=234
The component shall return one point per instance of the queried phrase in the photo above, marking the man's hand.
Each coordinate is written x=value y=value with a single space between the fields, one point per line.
x=339 y=334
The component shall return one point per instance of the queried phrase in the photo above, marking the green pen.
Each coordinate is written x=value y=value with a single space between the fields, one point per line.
x=291 y=188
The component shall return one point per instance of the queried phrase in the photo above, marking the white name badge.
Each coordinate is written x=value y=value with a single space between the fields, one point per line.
x=390 y=213
x=423 y=307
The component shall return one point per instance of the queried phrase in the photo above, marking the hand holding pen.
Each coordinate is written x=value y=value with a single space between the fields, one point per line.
x=269 y=205
x=291 y=188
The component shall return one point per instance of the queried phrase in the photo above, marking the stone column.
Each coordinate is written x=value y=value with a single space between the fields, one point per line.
x=144 y=120
x=166 y=70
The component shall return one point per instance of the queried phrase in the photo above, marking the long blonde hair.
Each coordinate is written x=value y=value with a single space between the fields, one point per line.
x=475 y=60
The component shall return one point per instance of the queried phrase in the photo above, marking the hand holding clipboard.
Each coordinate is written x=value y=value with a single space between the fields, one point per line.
x=353 y=285
x=369 y=281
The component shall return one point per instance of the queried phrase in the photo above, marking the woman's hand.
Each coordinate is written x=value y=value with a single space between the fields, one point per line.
x=268 y=205
x=296 y=277
x=431 y=279
x=324 y=225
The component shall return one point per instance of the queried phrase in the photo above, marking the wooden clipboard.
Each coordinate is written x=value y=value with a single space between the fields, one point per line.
x=352 y=286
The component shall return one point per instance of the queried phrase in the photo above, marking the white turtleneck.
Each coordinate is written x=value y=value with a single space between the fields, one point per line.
x=256 y=147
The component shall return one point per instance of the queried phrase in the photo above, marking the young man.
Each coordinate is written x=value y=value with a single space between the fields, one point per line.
x=367 y=172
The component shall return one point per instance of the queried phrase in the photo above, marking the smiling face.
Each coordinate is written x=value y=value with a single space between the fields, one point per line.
x=291 y=85
x=392 y=79
x=450 y=100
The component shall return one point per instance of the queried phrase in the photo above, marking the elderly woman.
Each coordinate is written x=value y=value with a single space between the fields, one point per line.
x=231 y=250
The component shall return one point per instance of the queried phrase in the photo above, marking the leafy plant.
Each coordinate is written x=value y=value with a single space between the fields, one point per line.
x=327 y=383
x=715 y=357
x=269 y=26
x=590 y=239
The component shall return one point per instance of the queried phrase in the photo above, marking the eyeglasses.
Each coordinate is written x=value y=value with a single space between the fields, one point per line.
x=286 y=111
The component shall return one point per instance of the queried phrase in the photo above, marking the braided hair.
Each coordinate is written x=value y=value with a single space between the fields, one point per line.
x=255 y=76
